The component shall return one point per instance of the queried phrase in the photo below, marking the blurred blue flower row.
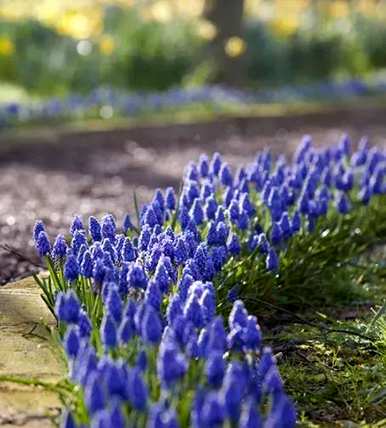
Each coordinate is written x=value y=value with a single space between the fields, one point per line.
x=107 y=102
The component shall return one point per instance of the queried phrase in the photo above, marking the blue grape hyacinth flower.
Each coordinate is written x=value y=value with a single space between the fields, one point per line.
x=43 y=245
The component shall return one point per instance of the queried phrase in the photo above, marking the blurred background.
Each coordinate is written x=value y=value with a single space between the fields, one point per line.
x=61 y=48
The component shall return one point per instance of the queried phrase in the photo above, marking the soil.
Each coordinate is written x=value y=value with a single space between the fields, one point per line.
x=54 y=175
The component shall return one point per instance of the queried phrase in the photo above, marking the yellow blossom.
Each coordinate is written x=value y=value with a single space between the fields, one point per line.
x=161 y=11
x=206 y=29
x=106 y=44
x=339 y=9
x=367 y=7
x=235 y=46
x=81 y=25
x=6 y=46
x=285 y=26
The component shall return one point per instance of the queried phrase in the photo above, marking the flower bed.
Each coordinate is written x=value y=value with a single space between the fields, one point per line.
x=155 y=316
x=106 y=103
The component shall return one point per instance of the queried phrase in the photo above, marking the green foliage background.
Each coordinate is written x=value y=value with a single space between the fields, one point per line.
x=152 y=55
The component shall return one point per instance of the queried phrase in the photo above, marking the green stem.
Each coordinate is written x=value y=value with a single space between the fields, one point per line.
x=54 y=387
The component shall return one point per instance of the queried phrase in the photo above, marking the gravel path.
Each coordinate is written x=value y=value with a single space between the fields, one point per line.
x=55 y=175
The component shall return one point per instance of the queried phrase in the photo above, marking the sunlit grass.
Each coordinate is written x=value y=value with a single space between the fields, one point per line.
x=10 y=93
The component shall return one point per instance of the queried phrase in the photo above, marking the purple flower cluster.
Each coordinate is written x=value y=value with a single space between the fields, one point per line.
x=159 y=335
x=233 y=376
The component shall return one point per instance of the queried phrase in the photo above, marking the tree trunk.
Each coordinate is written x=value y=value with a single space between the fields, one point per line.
x=227 y=17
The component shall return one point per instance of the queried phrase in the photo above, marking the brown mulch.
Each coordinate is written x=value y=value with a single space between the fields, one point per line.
x=54 y=175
